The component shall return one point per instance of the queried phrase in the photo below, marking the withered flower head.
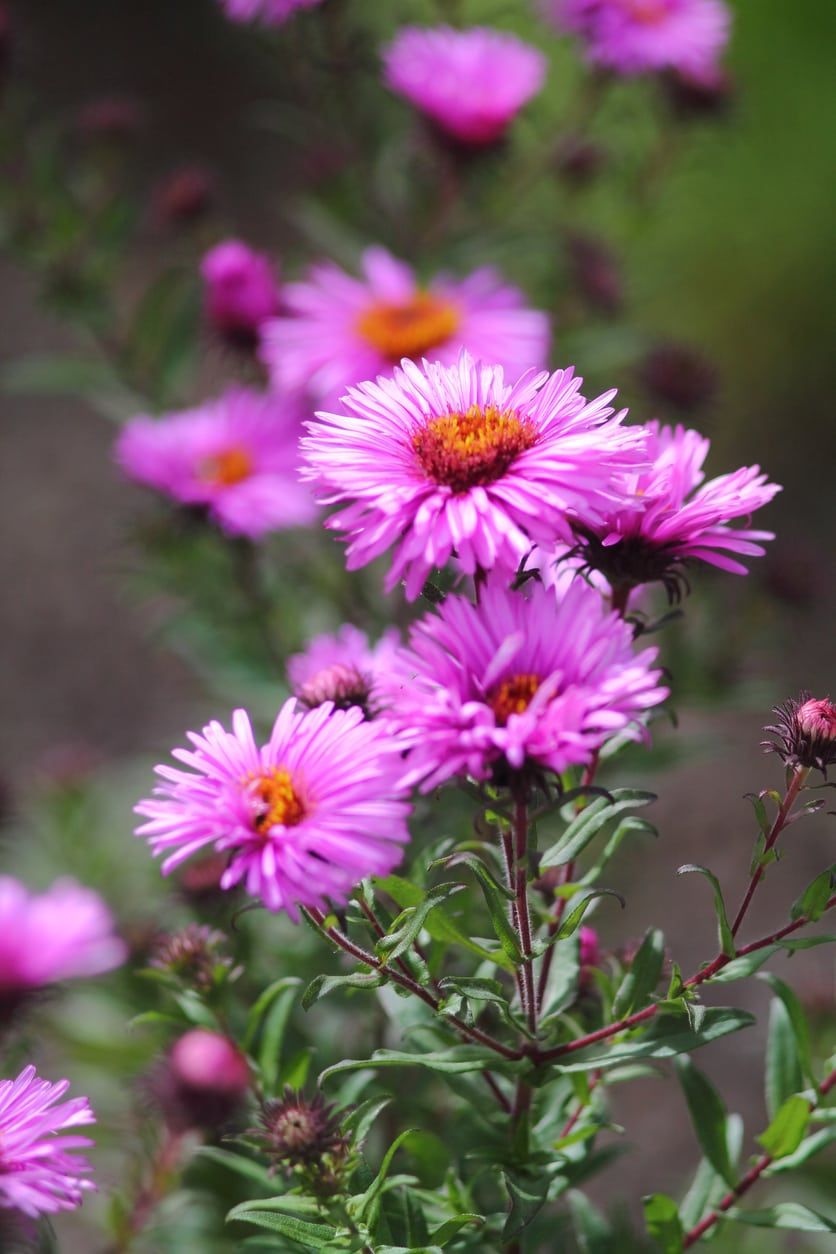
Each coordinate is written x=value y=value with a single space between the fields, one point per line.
x=805 y=732
x=192 y=955
x=301 y=1132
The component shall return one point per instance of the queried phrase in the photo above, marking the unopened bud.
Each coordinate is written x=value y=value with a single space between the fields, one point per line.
x=202 y=1082
x=805 y=733
x=678 y=376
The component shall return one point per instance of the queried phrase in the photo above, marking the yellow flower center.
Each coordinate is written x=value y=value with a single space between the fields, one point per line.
x=477 y=447
x=647 y=11
x=410 y=328
x=222 y=470
x=278 y=804
x=513 y=696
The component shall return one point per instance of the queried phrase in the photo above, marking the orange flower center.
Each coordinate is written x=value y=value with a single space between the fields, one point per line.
x=513 y=696
x=411 y=328
x=226 y=468
x=647 y=11
x=477 y=447
x=277 y=803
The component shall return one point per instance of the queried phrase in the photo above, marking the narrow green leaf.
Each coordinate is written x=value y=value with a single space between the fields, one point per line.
x=237 y=1163
x=625 y=828
x=785 y=1215
x=707 y=1188
x=726 y=938
x=809 y=1147
x=592 y=820
x=406 y=927
x=594 y=1233
x=262 y=1004
x=572 y=921
x=798 y=1020
x=643 y=976
x=783 y=1076
x=446 y=1232
x=708 y=1115
x=459 y=1059
x=308 y=1234
x=321 y=985
x=663 y=1223
x=272 y=1035
x=527 y=1195
x=364 y=1205
x=815 y=897
x=786 y=1131
x=667 y=1037
x=359 y=1121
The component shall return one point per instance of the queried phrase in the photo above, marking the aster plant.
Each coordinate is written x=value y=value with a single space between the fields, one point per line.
x=372 y=971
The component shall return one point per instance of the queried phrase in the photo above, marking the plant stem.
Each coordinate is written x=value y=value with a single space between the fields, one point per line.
x=794 y=788
x=581 y=1107
x=406 y=981
x=700 y=977
x=152 y=1192
x=745 y=1183
x=521 y=900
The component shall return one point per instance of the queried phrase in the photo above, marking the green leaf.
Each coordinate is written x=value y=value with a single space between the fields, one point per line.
x=439 y=924
x=237 y=1163
x=785 y=1215
x=708 y=1115
x=572 y=921
x=308 y=1234
x=594 y=1233
x=592 y=820
x=707 y=1188
x=798 y=1020
x=364 y=1205
x=562 y=984
x=810 y=1146
x=445 y=1232
x=457 y=1060
x=747 y=964
x=625 y=828
x=815 y=897
x=262 y=1004
x=726 y=938
x=668 y=1036
x=783 y=1076
x=272 y=1034
x=359 y=1122
x=663 y=1223
x=497 y=899
x=786 y=1131
x=321 y=985
x=643 y=976
x=527 y=1196
x=406 y=927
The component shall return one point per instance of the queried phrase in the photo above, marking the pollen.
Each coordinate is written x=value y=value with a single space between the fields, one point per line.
x=477 y=447
x=226 y=468
x=276 y=802
x=513 y=696
x=409 y=328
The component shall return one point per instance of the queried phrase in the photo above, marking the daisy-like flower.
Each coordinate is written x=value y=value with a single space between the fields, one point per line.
x=440 y=461
x=670 y=515
x=62 y=934
x=470 y=83
x=303 y=817
x=522 y=680
x=267 y=12
x=640 y=36
x=236 y=456
x=343 y=668
x=340 y=330
x=39 y=1173
x=240 y=291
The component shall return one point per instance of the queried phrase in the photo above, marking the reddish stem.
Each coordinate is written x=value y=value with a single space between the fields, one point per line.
x=581 y=1107
x=745 y=1183
x=795 y=786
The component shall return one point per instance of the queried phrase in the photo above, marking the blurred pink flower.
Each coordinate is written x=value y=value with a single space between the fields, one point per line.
x=236 y=456
x=64 y=933
x=39 y=1174
x=669 y=515
x=471 y=83
x=240 y=291
x=340 y=331
x=638 y=36
x=303 y=817
x=441 y=461
x=268 y=12
x=524 y=678
x=343 y=668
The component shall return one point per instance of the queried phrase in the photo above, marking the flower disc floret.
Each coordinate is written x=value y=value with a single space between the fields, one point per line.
x=40 y=1173
x=525 y=680
x=445 y=461
x=303 y=817
x=339 y=330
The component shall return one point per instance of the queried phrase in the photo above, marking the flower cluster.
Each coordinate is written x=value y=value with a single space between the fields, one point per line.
x=235 y=457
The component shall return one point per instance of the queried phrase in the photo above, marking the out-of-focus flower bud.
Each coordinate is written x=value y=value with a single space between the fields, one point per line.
x=595 y=272
x=678 y=376
x=200 y=881
x=303 y=1134
x=193 y=955
x=240 y=292
x=110 y=118
x=202 y=1083
x=689 y=97
x=590 y=949
x=184 y=195
x=581 y=160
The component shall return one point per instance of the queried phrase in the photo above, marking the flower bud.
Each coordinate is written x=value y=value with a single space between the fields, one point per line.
x=590 y=950
x=110 y=118
x=192 y=955
x=240 y=292
x=203 y=1081
x=805 y=733
x=595 y=273
x=303 y=1134
x=678 y=376
x=184 y=195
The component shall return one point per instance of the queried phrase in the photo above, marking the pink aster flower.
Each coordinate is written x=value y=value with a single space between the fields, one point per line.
x=340 y=330
x=440 y=461
x=670 y=515
x=471 y=83
x=236 y=456
x=62 y=934
x=344 y=668
x=637 y=36
x=523 y=679
x=303 y=817
x=267 y=12
x=39 y=1174
x=240 y=291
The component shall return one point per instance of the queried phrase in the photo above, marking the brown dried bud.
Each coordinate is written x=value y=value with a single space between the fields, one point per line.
x=192 y=955
x=595 y=272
